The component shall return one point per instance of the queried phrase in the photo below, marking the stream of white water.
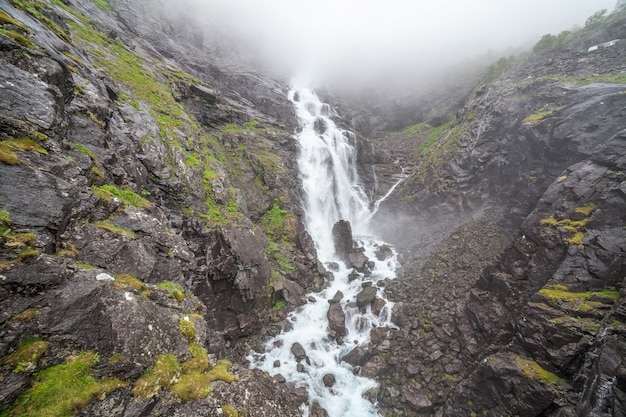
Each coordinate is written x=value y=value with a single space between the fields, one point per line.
x=332 y=192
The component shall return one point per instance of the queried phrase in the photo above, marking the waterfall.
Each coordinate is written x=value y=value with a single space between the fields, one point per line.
x=305 y=353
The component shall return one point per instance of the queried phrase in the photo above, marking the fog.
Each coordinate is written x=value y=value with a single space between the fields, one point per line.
x=321 y=39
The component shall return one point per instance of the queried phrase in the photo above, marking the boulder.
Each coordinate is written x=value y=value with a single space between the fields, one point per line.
x=342 y=238
x=291 y=292
x=356 y=357
x=298 y=351
x=375 y=366
x=336 y=319
x=416 y=397
x=366 y=296
x=316 y=410
x=329 y=380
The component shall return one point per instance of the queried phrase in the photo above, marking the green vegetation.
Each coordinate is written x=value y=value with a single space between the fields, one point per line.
x=103 y=4
x=230 y=411
x=279 y=305
x=10 y=146
x=113 y=228
x=534 y=371
x=123 y=281
x=25 y=358
x=189 y=380
x=27 y=315
x=63 y=390
x=537 y=117
x=415 y=129
x=40 y=11
x=582 y=301
x=188 y=329
x=575 y=323
x=279 y=226
x=234 y=128
x=172 y=289
x=18 y=37
x=127 y=196
x=575 y=227
x=11 y=240
x=15 y=30
x=434 y=135
x=596 y=21
x=499 y=67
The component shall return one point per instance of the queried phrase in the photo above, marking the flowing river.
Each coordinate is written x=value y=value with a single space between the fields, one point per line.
x=332 y=192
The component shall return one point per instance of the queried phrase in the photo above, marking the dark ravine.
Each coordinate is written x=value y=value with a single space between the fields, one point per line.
x=150 y=215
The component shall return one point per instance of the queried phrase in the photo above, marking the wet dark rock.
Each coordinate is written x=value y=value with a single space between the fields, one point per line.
x=329 y=380
x=416 y=398
x=298 y=351
x=358 y=260
x=337 y=319
x=320 y=126
x=291 y=291
x=366 y=296
x=356 y=357
x=207 y=94
x=316 y=410
x=374 y=366
x=342 y=238
x=336 y=298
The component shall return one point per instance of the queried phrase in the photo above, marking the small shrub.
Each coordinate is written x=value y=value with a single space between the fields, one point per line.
x=188 y=329
x=173 y=290
x=162 y=375
x=229 y=411
x=123 y=281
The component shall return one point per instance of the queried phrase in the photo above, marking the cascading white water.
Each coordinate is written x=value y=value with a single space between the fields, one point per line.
x=327 y=163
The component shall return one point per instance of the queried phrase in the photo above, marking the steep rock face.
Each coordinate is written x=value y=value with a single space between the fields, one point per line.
x=148 y=202
x=512 y=228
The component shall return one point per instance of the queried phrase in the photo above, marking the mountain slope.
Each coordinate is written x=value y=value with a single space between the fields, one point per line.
x=512 y=223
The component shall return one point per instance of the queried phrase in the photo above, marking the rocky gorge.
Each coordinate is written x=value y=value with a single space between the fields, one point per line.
x=152 y=232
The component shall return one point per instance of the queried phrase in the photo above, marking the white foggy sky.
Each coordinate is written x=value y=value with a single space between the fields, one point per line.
x=352 y=35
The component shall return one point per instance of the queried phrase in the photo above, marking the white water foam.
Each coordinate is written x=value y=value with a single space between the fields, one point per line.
x=332 y=192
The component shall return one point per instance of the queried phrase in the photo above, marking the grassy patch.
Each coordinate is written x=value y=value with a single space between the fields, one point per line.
x=25 y=358
x=64 y=390
x=234 y=128
x=575 y=227
x=27 y=315
x=230 y=411
x=113 y=228
x=172 y=289
x=40 y=11
x=127 y=196
x=560 y=294
x=18 y=37
x=10 y=146
x=575 y=323
x=188 y=329
x=7 y=19
x=103 y=4
x=123 y=281
x=534 y=371
x=163 y=374
x=189 y=380
x=537 y=117
x=434 y=135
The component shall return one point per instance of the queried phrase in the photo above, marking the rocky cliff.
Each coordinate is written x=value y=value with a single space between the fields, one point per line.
x=511 y=298
x=149 y=212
